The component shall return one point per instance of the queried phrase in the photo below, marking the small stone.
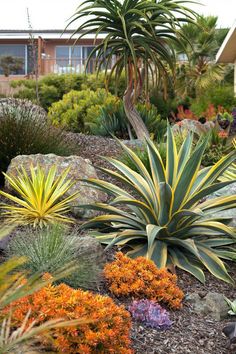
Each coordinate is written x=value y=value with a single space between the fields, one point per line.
x=212 y=304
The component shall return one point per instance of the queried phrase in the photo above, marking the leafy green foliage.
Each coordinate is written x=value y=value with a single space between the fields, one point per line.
x=52 y=248
x=42 y=197
x=217 y=95
x=10 y=65
x=24 y=130
x=51 y=88
x=232 y=305
x=78 y=110
x=169 y=221
x=112 y=120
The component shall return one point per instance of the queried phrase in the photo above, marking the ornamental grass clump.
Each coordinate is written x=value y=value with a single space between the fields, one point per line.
x=150 y=314
x=139 y=278
x=41 y=197
x=167 y=216
x=107 y=330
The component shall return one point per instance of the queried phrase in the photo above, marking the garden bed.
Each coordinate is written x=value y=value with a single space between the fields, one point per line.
x=190 y=332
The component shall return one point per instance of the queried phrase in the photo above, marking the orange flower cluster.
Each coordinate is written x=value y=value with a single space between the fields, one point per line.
x=223 y=134
x=108 y=331
x=140 y=278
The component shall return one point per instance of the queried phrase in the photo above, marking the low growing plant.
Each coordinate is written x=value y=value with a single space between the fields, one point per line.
x=78 y=110
x=54 y=247
x=140 y=278
x=150 y=314
x=107 y=331
x=41 y=197
x=170 y=221
x=14 y=286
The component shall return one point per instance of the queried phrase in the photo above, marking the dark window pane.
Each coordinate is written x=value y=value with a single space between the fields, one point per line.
x=15 y=51
x=62 y=56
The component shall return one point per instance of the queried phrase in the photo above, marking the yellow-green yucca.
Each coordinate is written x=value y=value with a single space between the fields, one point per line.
x=167 y=218
x=230 y=173
x=41 y=197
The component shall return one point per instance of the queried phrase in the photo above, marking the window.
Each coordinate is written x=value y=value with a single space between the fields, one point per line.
x=16 y=51
x=71 y=59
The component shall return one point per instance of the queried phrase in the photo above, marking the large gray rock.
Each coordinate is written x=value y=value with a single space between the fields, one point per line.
x=212 y=304
x=79 y=169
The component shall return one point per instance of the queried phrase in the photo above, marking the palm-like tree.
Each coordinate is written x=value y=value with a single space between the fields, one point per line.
x=201 y=45
x=140 y=35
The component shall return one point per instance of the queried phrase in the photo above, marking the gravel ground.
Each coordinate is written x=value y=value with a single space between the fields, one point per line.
x=190 y=333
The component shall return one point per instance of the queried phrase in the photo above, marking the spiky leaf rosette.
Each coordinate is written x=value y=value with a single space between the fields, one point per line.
x=170 y=221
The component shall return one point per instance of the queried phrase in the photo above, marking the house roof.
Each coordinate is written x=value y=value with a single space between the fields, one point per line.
x=227 y=51
x=44 y=33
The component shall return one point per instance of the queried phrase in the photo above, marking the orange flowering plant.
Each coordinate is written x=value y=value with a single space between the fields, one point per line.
x=140 y=278
x=107 y=332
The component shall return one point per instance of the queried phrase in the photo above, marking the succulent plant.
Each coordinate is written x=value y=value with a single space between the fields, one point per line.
x=150 y=313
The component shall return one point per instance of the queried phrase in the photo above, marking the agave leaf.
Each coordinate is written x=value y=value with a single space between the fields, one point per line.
x=187 y=177
x=180 y=260
x=213 y=263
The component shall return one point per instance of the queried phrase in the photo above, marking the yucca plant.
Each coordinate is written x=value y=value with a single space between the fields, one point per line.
x=230 y=173
x=41 y=198
x=169 y=221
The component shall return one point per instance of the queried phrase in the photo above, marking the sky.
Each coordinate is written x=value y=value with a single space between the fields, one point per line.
x=54 y=14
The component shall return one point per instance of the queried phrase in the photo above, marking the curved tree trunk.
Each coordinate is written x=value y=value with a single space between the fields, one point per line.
x=130 y=110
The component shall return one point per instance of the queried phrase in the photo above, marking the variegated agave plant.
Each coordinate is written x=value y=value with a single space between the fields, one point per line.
x=168 y=218
x=230 y=173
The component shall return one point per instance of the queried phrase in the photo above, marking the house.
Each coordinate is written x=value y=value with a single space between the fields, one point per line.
x=227 y=51
x=55 y=51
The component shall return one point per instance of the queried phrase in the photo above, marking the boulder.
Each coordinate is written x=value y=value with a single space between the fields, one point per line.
x=79 y=169
x=212 y=304
x=190 y=125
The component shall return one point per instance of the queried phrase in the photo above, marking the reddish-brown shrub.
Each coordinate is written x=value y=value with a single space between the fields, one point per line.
x=108 y=331
x=140 y=278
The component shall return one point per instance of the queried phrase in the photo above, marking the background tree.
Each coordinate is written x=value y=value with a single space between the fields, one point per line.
x=10 y=65
x=201 y=44
x=139 y=39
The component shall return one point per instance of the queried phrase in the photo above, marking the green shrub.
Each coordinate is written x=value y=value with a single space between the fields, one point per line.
x=50 y=249
x=218 y=96
x=51 y=88
x=167 y=217
x=78 y=111
x=94 y=82
x=24 y=130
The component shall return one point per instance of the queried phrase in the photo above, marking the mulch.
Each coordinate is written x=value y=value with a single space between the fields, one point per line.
x=190 y=332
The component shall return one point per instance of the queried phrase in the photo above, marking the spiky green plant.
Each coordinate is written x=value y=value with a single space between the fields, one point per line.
x=230 y=173
x=41 y=198
x=49 y=249
x=169 y=221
